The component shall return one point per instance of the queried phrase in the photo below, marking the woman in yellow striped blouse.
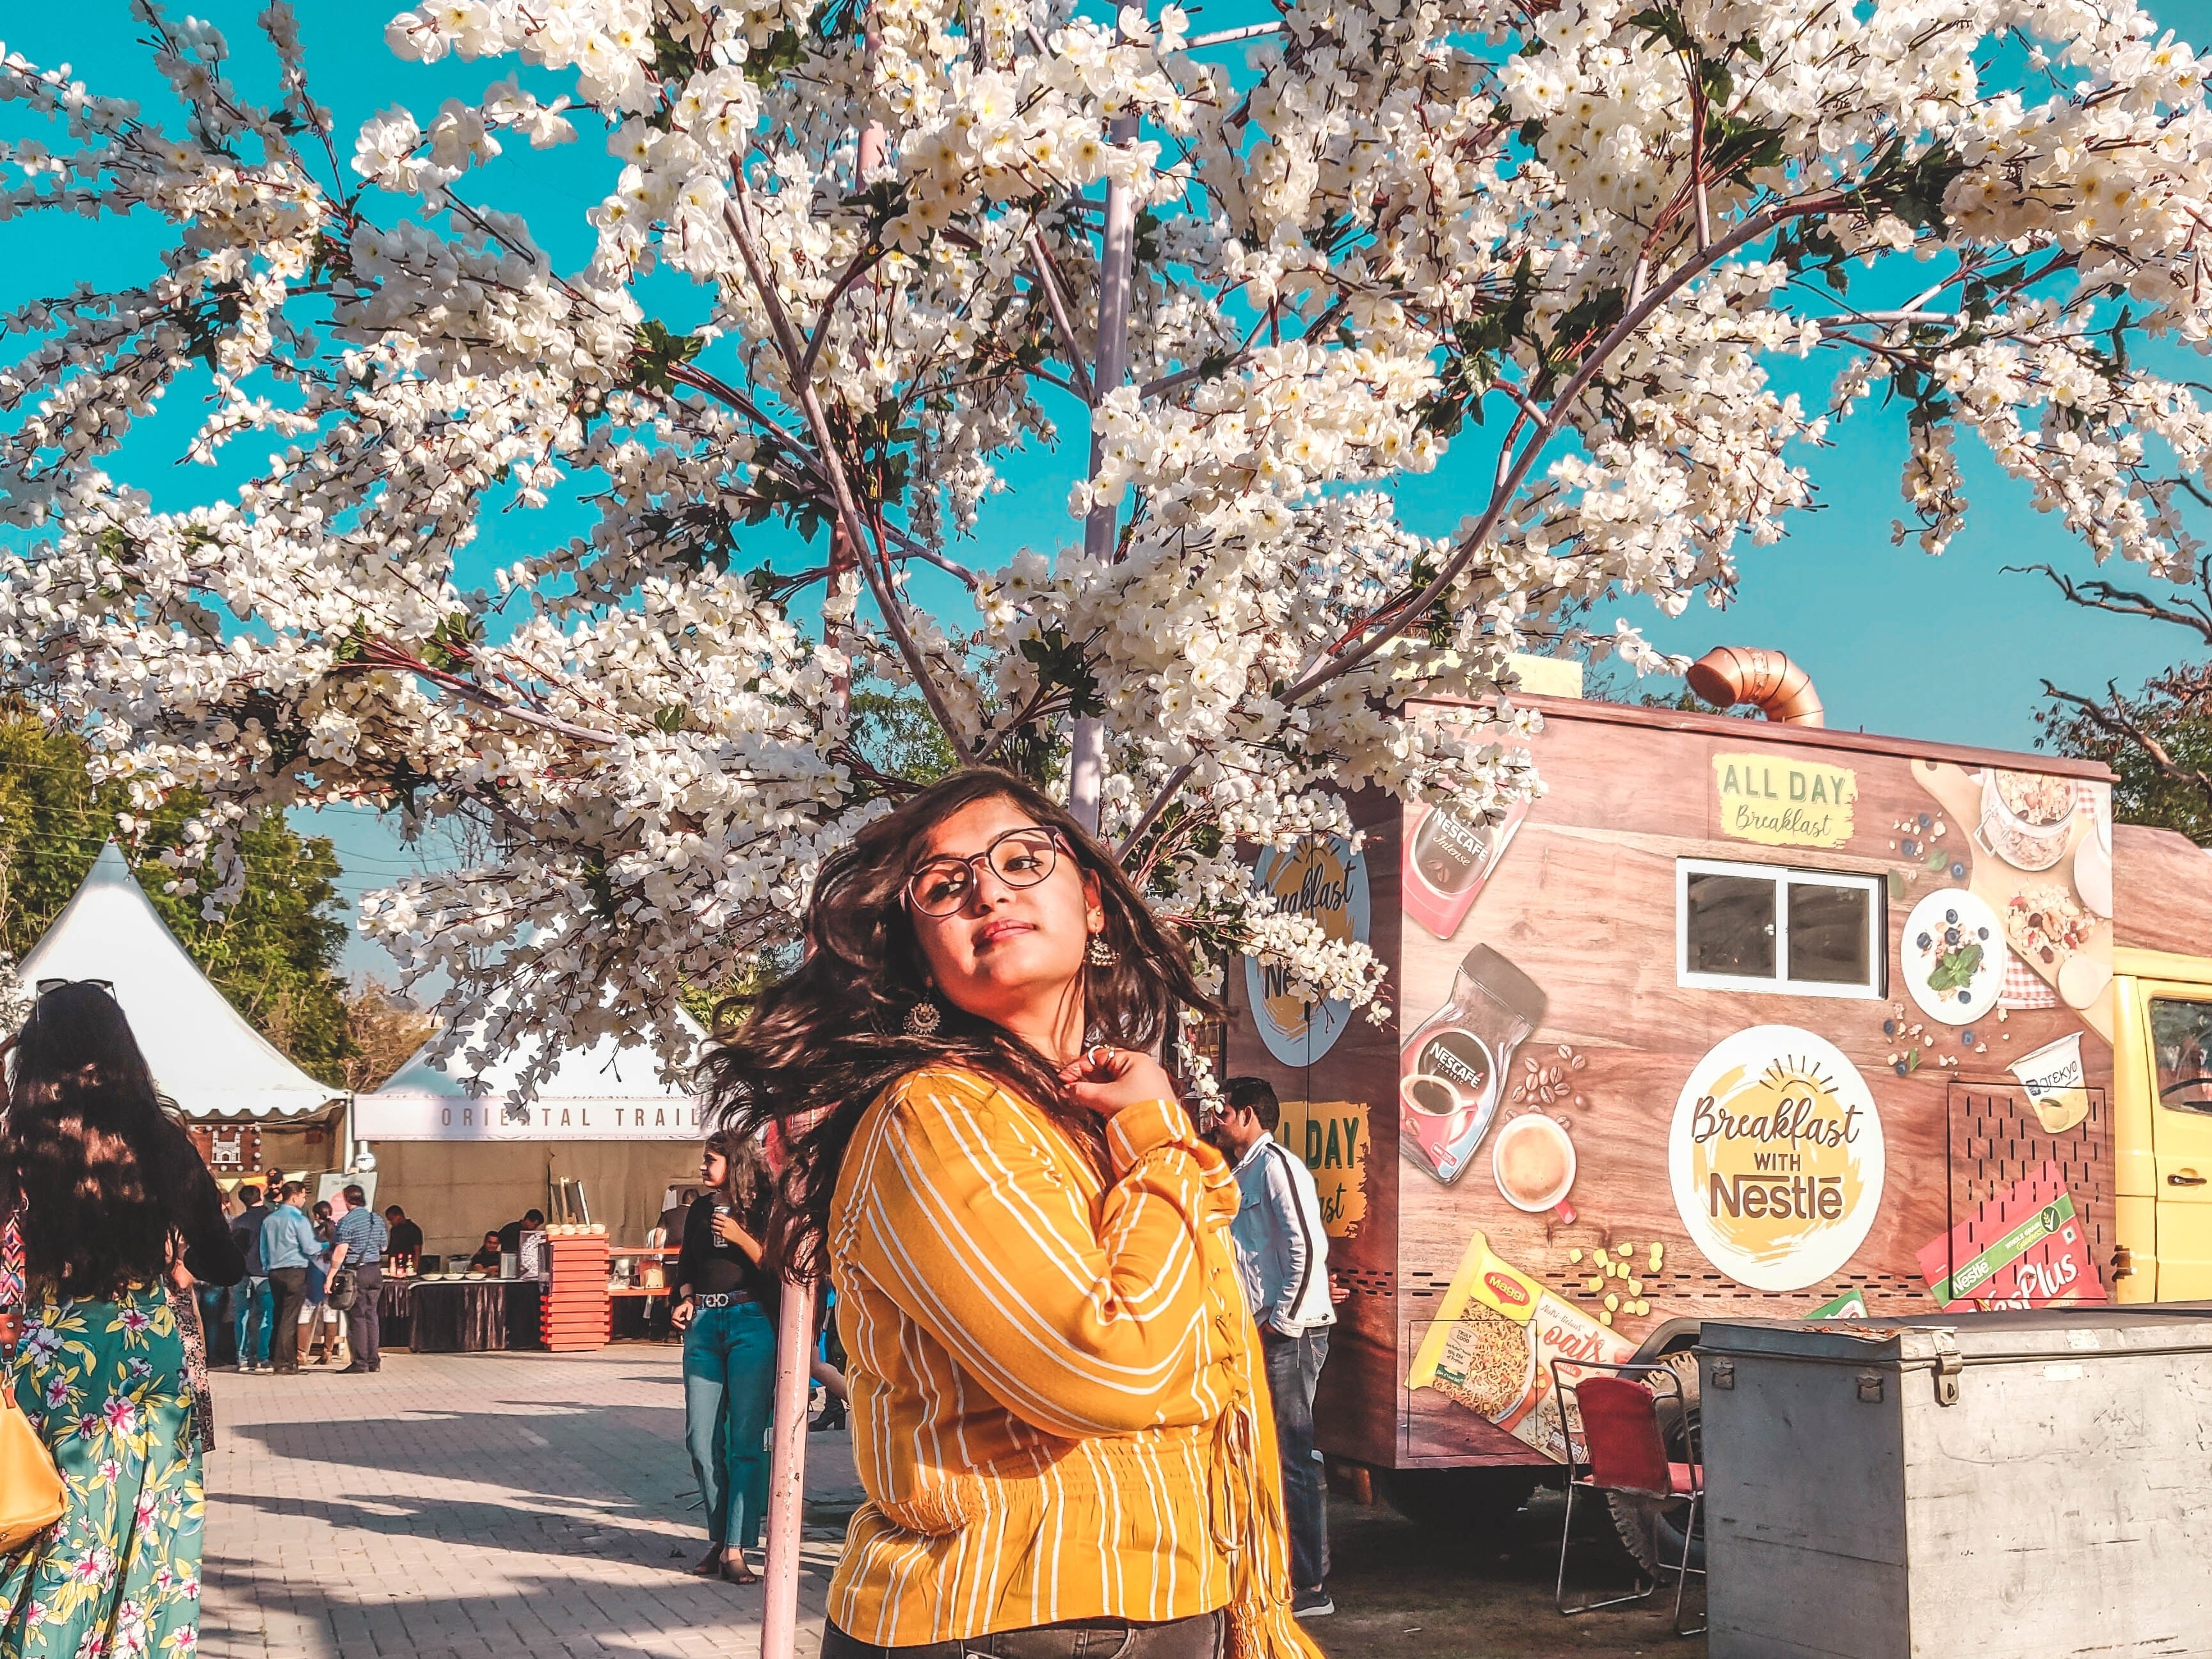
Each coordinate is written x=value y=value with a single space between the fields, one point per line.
x=1057 y=1399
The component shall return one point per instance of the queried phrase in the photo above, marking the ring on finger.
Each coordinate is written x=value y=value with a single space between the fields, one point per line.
x=1100 y=1054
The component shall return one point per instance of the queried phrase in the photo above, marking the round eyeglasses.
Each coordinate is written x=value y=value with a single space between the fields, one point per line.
x=1020 y=858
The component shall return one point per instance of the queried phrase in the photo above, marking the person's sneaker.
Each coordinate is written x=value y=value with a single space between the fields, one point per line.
x=1313 y=1603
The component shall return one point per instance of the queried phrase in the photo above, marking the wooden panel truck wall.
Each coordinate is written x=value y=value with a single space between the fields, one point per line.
x=1732 y=1020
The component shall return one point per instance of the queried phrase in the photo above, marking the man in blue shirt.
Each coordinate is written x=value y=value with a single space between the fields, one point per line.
x=358 y=1236
x=287 y=1244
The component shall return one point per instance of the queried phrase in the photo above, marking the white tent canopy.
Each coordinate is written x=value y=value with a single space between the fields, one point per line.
x=203 y=1053
x=602 y=1093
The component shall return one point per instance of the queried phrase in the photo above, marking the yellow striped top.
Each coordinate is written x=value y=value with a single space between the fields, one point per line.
x=1058 y=1407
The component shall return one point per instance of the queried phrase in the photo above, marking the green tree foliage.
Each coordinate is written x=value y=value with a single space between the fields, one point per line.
x=2158 y=743
x=273 y=953
x=895 y=734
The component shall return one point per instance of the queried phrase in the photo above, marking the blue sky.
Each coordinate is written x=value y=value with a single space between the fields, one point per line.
x=1948 y=648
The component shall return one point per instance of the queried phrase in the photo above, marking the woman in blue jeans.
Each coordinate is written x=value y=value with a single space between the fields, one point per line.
x=729 y=1351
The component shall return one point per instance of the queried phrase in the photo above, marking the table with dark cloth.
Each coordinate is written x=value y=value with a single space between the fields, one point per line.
x=467 y=1315
x=395 y=1309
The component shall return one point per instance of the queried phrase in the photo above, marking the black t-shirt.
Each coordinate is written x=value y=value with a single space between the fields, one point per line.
x=486 y=1257
x=406 y=1240
x=510 y=1237
x=195 y=1206
x=709 y=1264
x=246 y=1230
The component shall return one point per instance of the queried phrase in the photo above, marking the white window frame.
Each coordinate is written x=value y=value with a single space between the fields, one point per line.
x=1876 y=888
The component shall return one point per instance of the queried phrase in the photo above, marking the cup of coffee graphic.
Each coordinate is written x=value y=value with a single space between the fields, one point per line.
x=1436 y=1116
x=1533 y=1161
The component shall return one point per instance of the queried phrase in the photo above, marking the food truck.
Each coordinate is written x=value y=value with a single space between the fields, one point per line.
x=1737 y=1018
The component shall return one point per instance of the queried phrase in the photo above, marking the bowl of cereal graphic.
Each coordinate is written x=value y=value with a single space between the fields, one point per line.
x=2027 y=817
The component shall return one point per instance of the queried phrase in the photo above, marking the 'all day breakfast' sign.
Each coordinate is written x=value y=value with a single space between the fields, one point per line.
x=1331 y=1137
x=1778 y=801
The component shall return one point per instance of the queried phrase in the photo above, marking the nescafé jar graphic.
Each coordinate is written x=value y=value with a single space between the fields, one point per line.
x=1452 y=1069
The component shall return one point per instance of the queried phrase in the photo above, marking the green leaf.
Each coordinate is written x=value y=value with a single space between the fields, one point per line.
x=452 y=642
x=1955 y=968
x=1063 y=664
x=354 y=647
x=768 y=66
x=655 y=354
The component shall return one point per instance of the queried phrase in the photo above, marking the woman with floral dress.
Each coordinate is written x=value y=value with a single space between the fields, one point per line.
x=108 y=1200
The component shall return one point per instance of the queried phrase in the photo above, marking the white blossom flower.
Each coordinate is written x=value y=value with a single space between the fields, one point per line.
x=1400 y=228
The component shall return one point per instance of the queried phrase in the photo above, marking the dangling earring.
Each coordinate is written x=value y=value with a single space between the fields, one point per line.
x=1100 y=953
x=923 y=1018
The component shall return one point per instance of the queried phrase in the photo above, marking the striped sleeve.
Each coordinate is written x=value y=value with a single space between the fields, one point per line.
x=1078 y=1327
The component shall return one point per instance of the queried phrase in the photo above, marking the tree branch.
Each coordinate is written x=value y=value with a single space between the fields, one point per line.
x=1222 y=37
x=736 y=213
x=1749 y=231
x=1145 y=819
x=2122 y=601
x=2116 y=721
x=383 y=654
x=1049 y=278
x=863 y=263
x=913 y=546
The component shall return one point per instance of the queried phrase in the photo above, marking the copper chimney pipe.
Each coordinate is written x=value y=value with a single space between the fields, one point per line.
x=1730 y=674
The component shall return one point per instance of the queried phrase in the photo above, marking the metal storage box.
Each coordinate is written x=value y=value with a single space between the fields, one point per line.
x=1994 y=1485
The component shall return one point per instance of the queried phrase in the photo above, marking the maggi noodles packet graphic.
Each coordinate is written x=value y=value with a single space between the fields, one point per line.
x=1491 y=1346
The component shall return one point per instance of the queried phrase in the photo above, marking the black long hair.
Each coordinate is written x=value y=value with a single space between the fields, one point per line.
x=747 y=1186
x=806 y=1056
x=79 y=1149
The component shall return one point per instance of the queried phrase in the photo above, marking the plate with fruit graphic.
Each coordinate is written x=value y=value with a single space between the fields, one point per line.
x=1952 y=955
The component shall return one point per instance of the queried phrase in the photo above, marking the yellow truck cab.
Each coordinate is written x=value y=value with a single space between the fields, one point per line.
x=2163 y=1131
x=2161 y=1068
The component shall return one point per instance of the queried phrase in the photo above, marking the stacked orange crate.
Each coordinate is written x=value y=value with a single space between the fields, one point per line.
x=576 y=1312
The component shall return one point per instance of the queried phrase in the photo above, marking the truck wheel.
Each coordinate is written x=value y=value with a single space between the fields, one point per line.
x=1651 y=1528
x=1479 y=1503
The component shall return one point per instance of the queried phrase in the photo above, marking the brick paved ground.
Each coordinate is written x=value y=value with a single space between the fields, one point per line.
x=535 y=1506
x=478 y=1506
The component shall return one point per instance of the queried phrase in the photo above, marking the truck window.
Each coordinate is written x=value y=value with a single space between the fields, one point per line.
x=1766 y=927
x=1728 y=921
x=2181 y=1045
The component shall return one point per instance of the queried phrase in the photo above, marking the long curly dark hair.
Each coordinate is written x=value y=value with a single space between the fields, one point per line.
x=807 y=1056
x=79 y=1149
x=749 y=1187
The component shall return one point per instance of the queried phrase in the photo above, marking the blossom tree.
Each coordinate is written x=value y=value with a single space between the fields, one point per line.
x=1271 y=269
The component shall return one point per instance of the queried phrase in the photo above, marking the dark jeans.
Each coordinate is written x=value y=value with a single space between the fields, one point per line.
x=729 y=1397
x=1294 y=1365
x=252 y=1305
x=1202 y=1637
x=362 y=1329
x=290 y=1284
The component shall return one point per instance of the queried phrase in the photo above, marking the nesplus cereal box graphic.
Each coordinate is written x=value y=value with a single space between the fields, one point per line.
x=2029 y=1247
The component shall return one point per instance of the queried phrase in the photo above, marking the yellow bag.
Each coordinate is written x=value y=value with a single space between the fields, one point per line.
x=31 y=1495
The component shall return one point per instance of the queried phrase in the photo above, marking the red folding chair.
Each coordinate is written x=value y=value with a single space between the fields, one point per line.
x=1616 y=1418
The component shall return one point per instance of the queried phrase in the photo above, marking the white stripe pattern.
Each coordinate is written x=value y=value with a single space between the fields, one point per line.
x=1055 y=1386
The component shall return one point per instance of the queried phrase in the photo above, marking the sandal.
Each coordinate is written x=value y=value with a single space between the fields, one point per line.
x=708 y=1564
x=735 y=1569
